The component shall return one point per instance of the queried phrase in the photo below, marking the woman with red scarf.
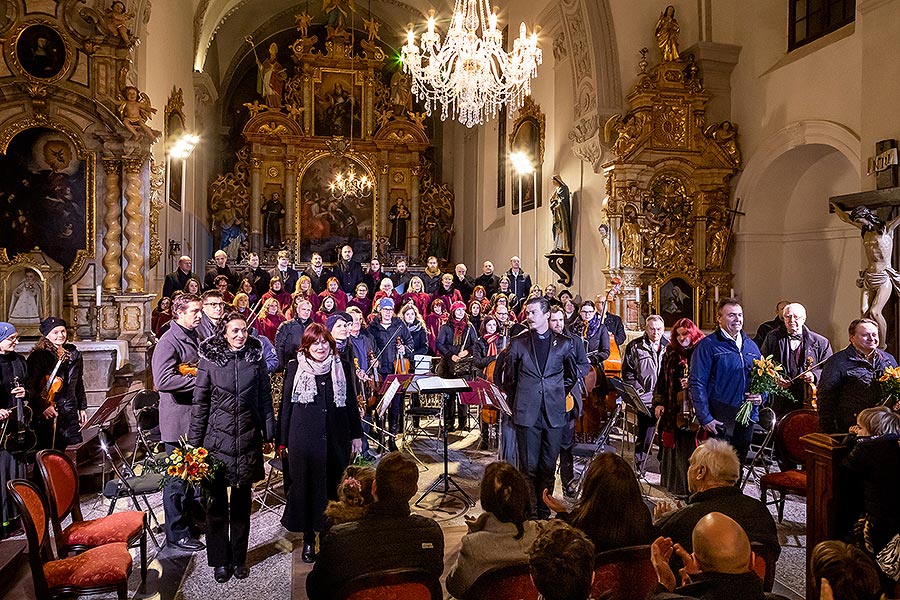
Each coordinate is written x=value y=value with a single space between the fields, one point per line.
x=672 y=405
x=456 y=342
x=277 y=291
x=434 y=320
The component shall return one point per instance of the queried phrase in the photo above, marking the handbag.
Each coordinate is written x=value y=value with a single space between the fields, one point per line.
x=889 y=558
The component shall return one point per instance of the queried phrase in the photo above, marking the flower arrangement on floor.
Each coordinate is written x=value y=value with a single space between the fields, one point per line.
x=765 y=378
x=190 y=464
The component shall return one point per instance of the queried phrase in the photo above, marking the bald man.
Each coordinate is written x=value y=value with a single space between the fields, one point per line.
x=801 y=352
x=721 y=566
x=177 y=279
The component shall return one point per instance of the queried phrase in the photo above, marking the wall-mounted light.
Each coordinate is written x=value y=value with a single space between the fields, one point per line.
x=183 y=145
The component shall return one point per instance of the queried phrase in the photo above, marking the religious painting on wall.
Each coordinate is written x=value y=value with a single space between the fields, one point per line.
x=526 y=149
x=40 y=51
x=337 y=102
x=677 y=299
x=326 y=221
x=174 y=130
x=399 y=216
x=44 y=198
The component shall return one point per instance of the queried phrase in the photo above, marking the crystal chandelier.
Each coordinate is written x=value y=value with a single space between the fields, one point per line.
x=471 y=77
x=349 y=185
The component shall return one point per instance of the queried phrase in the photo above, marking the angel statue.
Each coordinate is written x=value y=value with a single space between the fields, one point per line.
x=667 y=30
x=135 y=111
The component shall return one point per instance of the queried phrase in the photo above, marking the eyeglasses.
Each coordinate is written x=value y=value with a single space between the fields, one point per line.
x=214 y=304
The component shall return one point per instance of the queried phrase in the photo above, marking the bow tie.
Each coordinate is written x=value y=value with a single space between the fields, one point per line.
x=796 y=336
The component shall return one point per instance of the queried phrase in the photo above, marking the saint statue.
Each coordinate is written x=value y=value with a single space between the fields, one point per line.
x=667 y=35
x=630 y=236
x=398 y=216
x=716 y=240
x=273 y=213
x=561 y=209
x=879 y=278
x=271 y=77
x=27 y=301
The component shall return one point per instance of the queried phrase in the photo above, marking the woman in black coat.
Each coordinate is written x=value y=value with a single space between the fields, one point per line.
x=319 y=425
x=231 y=417
x=69 y=407
x=13 y=375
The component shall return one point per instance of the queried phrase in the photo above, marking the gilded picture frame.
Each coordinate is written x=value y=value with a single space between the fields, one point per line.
x=39 y=51
x=677 y=297
x=527 y=137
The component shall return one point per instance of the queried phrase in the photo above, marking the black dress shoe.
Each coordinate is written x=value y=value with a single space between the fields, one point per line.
x=188 y=543
x=241 y=571
x=222 y=574
x=309 y=552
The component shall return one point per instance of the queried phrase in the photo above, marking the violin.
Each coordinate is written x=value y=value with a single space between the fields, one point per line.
x=52 y=384
x=187 y=369
x=373 y=383
x=686 y=418
x=17 y=436
x=401 y=363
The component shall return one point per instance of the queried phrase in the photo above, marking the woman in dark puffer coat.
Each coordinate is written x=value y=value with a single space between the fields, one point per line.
x=231 y=417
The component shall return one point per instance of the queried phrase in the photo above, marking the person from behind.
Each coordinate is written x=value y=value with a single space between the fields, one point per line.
x=843 y=571
x=720 y=567
x=387 y=537
x=354 y=495
x=561 y=562
x=502 y=535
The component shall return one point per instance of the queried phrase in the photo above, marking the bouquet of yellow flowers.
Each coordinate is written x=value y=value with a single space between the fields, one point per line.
x=890 y=383
x=190 y=464
x=764 y=379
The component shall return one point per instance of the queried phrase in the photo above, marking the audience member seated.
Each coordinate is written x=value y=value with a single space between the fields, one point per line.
x=720 y=567
x=354 y=495
x=713 y=471
x=502 y=535
x=841 y=571
x=562 y=563
x=387 y=537
x=611 y=510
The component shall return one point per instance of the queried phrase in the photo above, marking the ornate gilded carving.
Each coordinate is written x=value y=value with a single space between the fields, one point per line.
x=131 y=318
x=669 y=124
x=112 y=218
x=157 y=189
x=435 y=215
x=229 y=202
x=134 y=226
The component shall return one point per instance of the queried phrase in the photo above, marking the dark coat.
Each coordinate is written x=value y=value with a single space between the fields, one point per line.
x=176 y=391
x=71 y=397
x=716 y=586
x=385 y=538
x=318 y=281
x=614 y=325
x=490 y=283
x=317 y=436
x=876 y=461
x=288 y=279
x=465 y=286
x=12 y=365
x=349 y=274
x=519 y=285
x=641 y=366
x=232 y=412
x=386 y=338
x=529 y=388
x=431 y=283
x=373 y=282
x=751 y=514
x=765 y=329
x=288 y=338
x=206 y=328
x=596 y=346
x=813 y=349
x=209 y=281
x=175 y=281
x=419 y=337
x=849 y=383
x=259 y=278
x=401 y=281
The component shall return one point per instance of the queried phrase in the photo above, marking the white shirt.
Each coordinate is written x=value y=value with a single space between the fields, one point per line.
x=739 y=340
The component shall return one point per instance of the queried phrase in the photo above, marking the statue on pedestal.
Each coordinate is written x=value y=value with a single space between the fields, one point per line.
x=273 y=213
x=667 y=30
x=561 y=209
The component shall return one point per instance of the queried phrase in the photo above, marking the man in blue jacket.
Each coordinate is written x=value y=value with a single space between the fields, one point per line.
x=720 y=378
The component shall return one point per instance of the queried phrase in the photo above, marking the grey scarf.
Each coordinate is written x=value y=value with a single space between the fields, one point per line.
x=304 y=390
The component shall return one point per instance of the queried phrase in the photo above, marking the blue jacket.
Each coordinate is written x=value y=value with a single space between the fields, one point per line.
x=720 y=376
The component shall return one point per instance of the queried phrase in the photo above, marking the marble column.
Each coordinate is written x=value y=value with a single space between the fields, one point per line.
x=415 y=174
x=134 y=226
x=255 y=206
x=290 y=199
x=112 y=218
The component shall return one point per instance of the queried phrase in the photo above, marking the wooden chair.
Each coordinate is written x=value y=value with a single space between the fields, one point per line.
x=97 y=571
x=764 y=565
x=624 y=574
x=788 y=432
x=61 y=482
x=393 y=584
x=512 y=582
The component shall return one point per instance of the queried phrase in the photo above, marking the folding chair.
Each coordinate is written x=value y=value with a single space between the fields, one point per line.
x=145 y=409
x=276 y=465
x=763 y=454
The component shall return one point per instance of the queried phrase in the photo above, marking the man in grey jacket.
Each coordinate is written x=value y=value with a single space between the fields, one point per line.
x=640 y=369
x=177 y=348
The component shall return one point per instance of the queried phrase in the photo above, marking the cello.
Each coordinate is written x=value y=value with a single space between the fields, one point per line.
x=20 y=439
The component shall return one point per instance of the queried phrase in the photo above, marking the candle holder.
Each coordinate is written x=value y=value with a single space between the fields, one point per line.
x=98 y=317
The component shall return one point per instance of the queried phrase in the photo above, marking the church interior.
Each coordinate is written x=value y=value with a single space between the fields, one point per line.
x=705 y=150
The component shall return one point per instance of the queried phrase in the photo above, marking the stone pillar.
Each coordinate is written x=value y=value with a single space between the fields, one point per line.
x=290 y=200
x=112 y=218
x=415 y=173
x=134 y=227
x=255 y=206
x=716 y=62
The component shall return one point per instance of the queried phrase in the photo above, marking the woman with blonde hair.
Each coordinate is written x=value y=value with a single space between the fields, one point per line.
x=417 y=295
x=270 y=318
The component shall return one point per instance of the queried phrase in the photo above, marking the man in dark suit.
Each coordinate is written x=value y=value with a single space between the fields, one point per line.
x=348 y=271
x=463 y=282
x=797 y=349
x=317 y=273
x=519 y=280
x=488 y=280
x=177 y=279
x=221 y=268
x=259 y=277
x=538 y=374
x=288 y=275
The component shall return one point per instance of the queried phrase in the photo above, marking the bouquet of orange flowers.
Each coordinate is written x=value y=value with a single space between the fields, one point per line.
x=190 y=464
x=890 y=383
x=764 y=379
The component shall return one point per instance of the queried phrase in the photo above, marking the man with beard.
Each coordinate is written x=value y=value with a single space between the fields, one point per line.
x=317 y=273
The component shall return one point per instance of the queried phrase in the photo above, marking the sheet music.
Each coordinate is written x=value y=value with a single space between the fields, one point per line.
x=385 y=401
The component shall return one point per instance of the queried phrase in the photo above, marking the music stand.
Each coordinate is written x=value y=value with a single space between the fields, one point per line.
x=450 y=388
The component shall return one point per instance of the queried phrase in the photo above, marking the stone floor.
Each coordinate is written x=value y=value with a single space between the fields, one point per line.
x=175 y=575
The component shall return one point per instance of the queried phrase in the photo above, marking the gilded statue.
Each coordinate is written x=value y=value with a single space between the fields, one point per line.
x=879 y=277
x=725 y=135
x=561 y=209
x=667 y=30
x=716 y=240
x=630 y=237
x=135 y=111
x=115 y=23
x=371 y=26
x=303 y=21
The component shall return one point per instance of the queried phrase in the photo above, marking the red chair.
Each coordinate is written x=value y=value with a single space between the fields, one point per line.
x=624 y=574
x=512 y=582
x=393 y=584
x=788 y=448
x=61 y=482
x=97 y=571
